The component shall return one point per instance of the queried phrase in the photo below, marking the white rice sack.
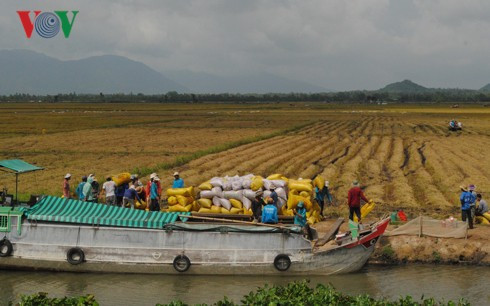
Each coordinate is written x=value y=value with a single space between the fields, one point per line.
x=227 y=186
x=217 y=192
x=278 y=183
x=246 y=203
x=236 y=185
x=237 y=195
x=207 y=194
x=281 y=193
x=248 y=176
x=246 y=183
x=216 y=182
x=281 y=202
x=267 y=184
x=216 y=201
x=249 y=194
x=225 y=203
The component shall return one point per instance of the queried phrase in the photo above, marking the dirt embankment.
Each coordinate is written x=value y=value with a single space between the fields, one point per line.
x=474 y=250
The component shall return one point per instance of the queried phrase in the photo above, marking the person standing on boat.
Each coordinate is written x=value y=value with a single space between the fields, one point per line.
x=178 y=182
x=79 y=190
x=354 y=200
x=257 y=205
x=130 y=195
x=269 y=212
x=154 y=196
x=87 y=190
x=66 y=186
x=109 y=188
x=273 y=195
x=300 y=214
x=467 y=199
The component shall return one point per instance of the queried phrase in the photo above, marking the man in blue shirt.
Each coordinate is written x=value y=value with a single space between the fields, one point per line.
x=178 y=182
x=269 y=212
x=467 y=198
x=79 y=190
x=154 y=197
x=130 y=195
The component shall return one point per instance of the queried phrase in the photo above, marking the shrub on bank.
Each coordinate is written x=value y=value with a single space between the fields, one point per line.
x=292 y=294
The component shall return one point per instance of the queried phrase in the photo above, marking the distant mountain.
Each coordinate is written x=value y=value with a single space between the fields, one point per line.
x=485 y=88
x=258 y=83
x=23 y=71
x=405 y=86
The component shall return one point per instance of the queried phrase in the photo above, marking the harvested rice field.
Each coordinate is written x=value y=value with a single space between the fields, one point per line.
x=403 y=155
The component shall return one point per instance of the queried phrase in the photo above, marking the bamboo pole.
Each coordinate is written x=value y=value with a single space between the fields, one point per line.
x=234 y=221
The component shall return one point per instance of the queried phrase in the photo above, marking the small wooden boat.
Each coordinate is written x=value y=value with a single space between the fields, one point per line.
x=68 y=235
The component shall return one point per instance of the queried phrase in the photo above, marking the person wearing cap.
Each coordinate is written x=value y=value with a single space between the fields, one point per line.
x=472 y=189
x=87 y=190
x=466 y=199
x=482 y=206
x=323 y=195
x=273 y=195
x=269 y=212
x=109 y=188
x=79 y=190
x=154 y=196
x=95 y=189
x=300 y=214
x=257 y=205
x=354 y=197
x=178 y=182
x=130 y=195
x=66 y=186
x=148 y=187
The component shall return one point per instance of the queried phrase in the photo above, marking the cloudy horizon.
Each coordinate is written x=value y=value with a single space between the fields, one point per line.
x=340 y=45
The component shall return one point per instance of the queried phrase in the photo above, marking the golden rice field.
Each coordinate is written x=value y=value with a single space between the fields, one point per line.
x=404 y=156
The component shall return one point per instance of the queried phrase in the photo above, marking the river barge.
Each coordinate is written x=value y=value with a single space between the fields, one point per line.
x=73 y=236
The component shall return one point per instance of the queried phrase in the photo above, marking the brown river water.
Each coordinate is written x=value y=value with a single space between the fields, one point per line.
x=441 y=282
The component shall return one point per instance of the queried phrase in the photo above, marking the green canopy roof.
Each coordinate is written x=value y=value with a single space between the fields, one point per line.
x=73 y=211
x=18 y=166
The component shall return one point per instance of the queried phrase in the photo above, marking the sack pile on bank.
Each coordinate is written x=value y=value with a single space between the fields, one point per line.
x=182 y=200
x=234 y=195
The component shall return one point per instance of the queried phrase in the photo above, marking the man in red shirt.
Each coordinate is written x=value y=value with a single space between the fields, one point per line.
x=354 y=200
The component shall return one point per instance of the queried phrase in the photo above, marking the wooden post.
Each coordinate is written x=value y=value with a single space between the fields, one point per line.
x=233 y=221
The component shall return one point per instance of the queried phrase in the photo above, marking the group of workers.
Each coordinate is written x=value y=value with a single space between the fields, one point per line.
x=125 y=195
x=472 y=204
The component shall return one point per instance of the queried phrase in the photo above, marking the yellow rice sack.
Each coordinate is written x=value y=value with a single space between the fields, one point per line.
x=482 y=220
x=205 y=186
x=257 y=183
x=186 y=192
x=365 y=210
x=300 y=185
x=236 y=203
x=172 y=201
x=319 y=181
x=180 y=208
x=304 y=194
x=225 y=211
x=206 y=203
x=293 y=201
x=215 y=209
x=195 y=206
x=182 y=200
x=122 y=178
x=247 y=212
x=235 y=210
x=487 y=216
x=139 y=205
x=275 y=176
x=203 y=210
x=308 y=204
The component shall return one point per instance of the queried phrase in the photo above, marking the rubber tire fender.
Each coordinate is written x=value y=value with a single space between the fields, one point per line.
x=6 y=243
x=282 y=262
x=181 y=263
x=74 y=252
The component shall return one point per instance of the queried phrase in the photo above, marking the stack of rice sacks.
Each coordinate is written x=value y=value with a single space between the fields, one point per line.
x=182 y=200
x=234 y=195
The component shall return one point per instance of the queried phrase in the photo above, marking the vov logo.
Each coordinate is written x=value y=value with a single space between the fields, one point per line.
x=47 y=24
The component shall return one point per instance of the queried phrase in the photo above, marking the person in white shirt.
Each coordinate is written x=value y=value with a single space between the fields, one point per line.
x=109 y=187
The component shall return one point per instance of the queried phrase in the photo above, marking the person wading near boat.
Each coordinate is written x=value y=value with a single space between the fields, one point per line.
x=467 y=199
x=269 y=212
x=87 y=190
x=178 y=182
x=66 y=186
x=109 y=188
x=154 y=196
x=482 y=206
x=354 y=198
x=79 y=190
x=257 y=205
x=130 y=196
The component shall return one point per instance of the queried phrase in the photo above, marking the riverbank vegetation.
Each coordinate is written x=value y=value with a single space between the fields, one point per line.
x=293 y=294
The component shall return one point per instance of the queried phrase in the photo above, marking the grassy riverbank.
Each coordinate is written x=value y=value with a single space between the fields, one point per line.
x=294 y=293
